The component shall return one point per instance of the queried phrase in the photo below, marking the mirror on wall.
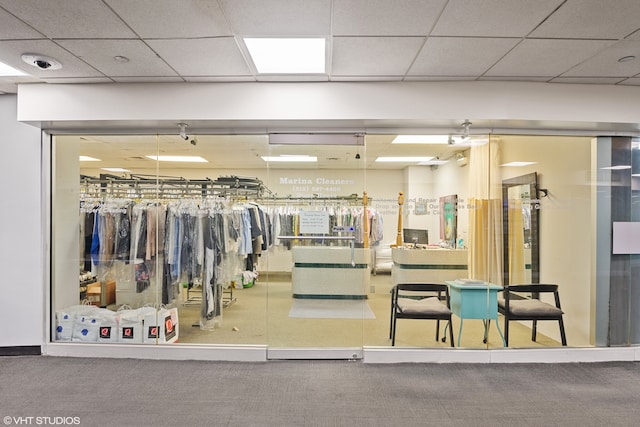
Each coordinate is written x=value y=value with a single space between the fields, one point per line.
x=520 y=229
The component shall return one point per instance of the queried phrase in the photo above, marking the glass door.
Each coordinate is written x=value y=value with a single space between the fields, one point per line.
x=319 y=272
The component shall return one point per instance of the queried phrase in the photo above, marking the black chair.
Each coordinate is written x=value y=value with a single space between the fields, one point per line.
x=515 y=307
x=420 y=301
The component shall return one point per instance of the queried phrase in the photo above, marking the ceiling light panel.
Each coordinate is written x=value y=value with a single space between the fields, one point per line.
x=290 y=158
x=421 y=139
x=7 y=71
x=404 y=159
x=189 y=159
x=287 y=55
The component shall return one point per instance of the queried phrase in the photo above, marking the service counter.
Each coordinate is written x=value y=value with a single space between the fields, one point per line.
x=330 y=272
x=428 y=265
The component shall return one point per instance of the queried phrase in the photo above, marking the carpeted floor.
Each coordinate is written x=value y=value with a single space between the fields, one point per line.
x=127 y=392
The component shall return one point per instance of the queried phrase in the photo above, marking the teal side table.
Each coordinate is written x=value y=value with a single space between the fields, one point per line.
x=475 y=301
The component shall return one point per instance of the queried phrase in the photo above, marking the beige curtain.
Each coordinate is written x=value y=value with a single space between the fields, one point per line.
x=485 y=214
x=516 y=243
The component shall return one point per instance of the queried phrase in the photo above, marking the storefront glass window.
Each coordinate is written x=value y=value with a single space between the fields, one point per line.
x=173 y=252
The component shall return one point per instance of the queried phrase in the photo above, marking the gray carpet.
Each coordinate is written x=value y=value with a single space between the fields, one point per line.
x=126 y=392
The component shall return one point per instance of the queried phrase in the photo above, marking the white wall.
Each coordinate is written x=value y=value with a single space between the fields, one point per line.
x=22 y=293
x=426 y=184
x=563 y=167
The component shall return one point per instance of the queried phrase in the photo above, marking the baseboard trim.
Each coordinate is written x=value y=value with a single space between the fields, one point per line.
x=543 y=355
x=312 y=353
x=238 y=353
x=262 y=353
x=21 y=350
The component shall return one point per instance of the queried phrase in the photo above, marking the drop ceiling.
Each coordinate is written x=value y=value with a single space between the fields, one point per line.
x=564 y=41
x=245 y=152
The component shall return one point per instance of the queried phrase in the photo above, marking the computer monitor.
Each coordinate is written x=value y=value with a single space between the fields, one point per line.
x=415 y=236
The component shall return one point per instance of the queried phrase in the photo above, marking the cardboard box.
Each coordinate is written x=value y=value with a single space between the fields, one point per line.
x=94 y=293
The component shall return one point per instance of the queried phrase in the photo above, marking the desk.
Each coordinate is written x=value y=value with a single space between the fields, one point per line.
x=432 y=265
x=475 y=301
x=321 y=272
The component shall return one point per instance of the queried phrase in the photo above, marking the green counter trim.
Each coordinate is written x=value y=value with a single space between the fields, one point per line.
x=432 y=266
x=322 y=296
x=321 y=265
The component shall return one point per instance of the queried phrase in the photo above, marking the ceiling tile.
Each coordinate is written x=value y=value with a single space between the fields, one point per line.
x=292 y=78
x=590 y=19
x=202 y=57
x=172 y=19
x=11 y=52
x=219 y=79
x=382 y=17
x=278 y=17
x=634 y=81
x=634 y=36
x=366 y=78
x=546 y=58
x=493 y=18
x=460 y=56
x=148 y=79
x=70 y=18
x=100 y=54
x=606 y=62
x=13 y=28
x=374 y=56
x=514 y=79
x=588 y=80
x=439 y=78
x=77 y=80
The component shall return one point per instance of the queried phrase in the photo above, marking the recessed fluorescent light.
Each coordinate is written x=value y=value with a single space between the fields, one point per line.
x=618 y=167
x=404 y=159
x=192 y=159
x=287 y=55
x=290 y=158
x=116 y=169
x=88 y=159
x=421 y=139
x=7 y=71
x=518 y=164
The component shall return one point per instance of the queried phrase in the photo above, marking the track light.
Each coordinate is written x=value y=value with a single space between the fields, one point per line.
x=466 y=125
x=183 y=131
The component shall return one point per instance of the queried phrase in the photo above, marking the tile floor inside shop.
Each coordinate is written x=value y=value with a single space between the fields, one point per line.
x=260 y=315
